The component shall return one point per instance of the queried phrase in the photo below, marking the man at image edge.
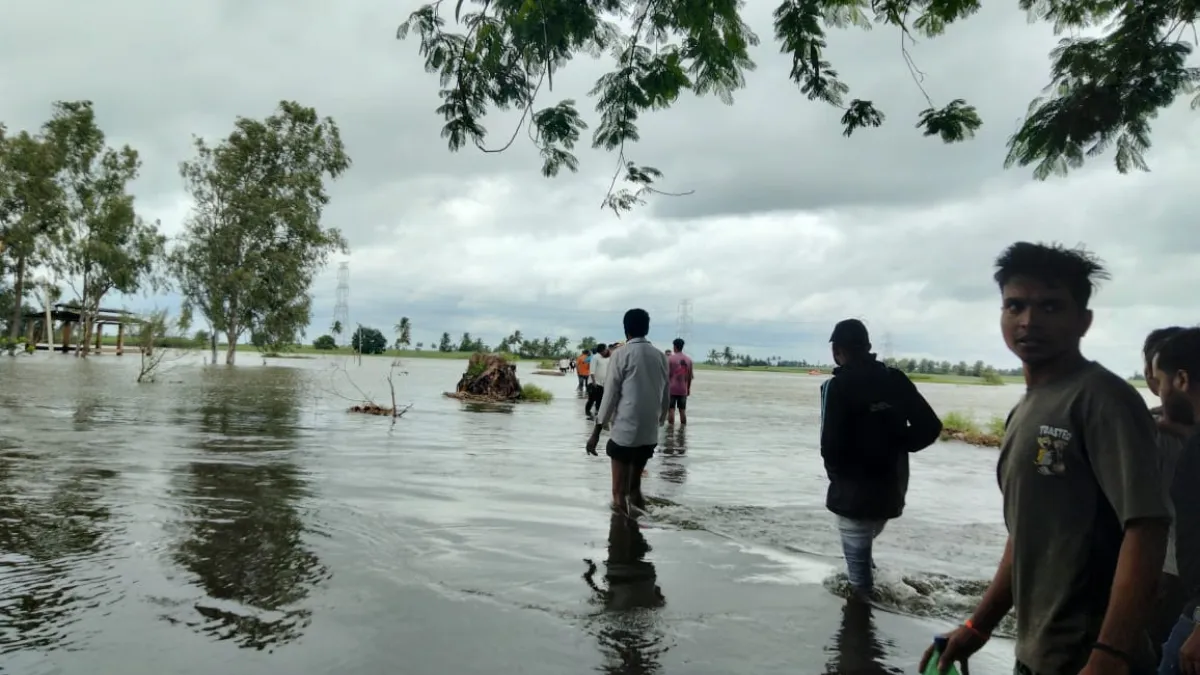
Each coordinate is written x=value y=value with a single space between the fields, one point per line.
x=1083 y=498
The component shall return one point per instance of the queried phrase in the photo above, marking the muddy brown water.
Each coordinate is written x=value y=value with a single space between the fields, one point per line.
x=239 y=521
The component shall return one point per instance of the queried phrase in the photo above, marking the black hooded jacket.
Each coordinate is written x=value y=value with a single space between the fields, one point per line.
x=872 y=417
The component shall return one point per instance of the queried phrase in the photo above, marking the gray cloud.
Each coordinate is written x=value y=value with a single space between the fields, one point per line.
x=791 y=227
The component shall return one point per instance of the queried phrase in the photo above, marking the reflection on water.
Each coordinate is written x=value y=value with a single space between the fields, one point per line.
x=53 y=527
x=628 y=627
x=182 y=526
x=671 y=467
x=855 y=648
x=242 y=534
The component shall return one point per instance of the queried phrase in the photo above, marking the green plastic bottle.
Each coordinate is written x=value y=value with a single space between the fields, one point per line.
x=939 y=646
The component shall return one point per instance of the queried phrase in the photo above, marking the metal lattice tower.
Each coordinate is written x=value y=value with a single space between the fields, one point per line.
x=887 y=345
x=683 y=323
x=341 y=308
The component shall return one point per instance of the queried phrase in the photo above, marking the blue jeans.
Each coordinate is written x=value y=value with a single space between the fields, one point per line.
x=1170 y=655
x=858 y=536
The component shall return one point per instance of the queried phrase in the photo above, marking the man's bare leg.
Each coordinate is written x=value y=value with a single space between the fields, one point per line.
x=682 y=417
x=620 y=485
x=635 y=484
x=671 y=416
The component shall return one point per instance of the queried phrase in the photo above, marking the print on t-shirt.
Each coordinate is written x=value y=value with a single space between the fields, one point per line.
x=1052 y=444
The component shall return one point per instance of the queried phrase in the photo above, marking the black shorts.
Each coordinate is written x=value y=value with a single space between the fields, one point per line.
x=638 y=454
x=679 y=402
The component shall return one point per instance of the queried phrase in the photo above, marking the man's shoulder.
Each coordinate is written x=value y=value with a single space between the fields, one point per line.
x=1098 y=385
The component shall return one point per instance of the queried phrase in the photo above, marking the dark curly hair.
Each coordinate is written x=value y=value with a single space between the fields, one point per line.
x=1076 y=269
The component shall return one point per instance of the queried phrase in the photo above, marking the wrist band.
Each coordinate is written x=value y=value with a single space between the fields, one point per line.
x=1113 y=651
x=970 y=625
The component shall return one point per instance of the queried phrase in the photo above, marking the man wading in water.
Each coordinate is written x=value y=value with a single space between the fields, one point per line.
x=582 y=370
x=599 y=370
x=872 y=417
x=635 y=399
x=681 y=372
x=1083 y=498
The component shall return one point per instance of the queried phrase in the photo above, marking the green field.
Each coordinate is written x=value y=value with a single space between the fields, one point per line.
x=111 y=340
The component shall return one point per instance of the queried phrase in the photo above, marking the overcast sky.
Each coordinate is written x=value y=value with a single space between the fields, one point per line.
x=791 y=228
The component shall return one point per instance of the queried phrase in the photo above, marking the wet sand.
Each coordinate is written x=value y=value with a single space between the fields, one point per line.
x=239 y=520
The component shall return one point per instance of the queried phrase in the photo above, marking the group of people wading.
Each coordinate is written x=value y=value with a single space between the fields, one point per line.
x=1091 y=479
x=633 y=389
x=1101 y=494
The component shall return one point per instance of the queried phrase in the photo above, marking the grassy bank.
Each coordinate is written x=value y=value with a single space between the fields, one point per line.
x=960 y=426
x=825 y=371
x=535 y=394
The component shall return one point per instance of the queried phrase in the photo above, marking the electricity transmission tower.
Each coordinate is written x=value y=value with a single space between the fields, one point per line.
x=341 y=309
x=683 y=322
x=887 y=345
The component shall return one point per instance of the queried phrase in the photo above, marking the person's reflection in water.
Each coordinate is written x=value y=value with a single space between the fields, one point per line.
x=244 y=536
x=856 y=649
x=629 y=634
x=674 y=446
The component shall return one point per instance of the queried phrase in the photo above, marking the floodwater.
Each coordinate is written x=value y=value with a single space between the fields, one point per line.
x=239 y=520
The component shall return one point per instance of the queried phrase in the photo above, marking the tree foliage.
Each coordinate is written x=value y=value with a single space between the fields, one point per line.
x=403 y=329
x=105 y=246
x=505 y=54
x=254 y=239
x=32 y=210
x=368 y=341
x=325 y=342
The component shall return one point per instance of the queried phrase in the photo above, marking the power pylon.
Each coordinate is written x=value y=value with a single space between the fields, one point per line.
x=683 y=322
x=341 y=308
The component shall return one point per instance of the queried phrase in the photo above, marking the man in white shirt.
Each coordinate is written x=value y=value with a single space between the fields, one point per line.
x=636 y=399
x=599 y=365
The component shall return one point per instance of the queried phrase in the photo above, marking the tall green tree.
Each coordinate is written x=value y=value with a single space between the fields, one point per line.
x=32 y=210
x=1103 y=90
x=403 y=333
x=106 y=246
x=255 y=240
x=445 y=345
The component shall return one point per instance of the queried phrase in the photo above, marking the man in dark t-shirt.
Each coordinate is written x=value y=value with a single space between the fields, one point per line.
x=1177 y=371
x=1083 y=500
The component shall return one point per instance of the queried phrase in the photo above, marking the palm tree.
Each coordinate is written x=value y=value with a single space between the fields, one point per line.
x=403 y=333
x=336 y=329
x=728 y=356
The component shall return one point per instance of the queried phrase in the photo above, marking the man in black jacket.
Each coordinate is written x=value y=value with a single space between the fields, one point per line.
x=872 y=417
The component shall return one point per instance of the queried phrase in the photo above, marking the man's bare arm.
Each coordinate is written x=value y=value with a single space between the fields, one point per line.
x=1134 y=585
x=998 y=599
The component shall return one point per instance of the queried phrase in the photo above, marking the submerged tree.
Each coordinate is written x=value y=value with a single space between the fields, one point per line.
x=254 y=239
x=106 y=245
x=32 y=210
x=1103 y=91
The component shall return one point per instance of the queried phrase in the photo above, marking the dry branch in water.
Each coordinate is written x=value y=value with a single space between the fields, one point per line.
x=366 y=405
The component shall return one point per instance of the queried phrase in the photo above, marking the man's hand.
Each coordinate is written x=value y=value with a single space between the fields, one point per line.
x=593 y=440
x=961 y=644
x=1189 y=654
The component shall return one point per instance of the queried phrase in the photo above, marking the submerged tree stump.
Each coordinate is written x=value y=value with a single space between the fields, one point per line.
x=488 y=378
